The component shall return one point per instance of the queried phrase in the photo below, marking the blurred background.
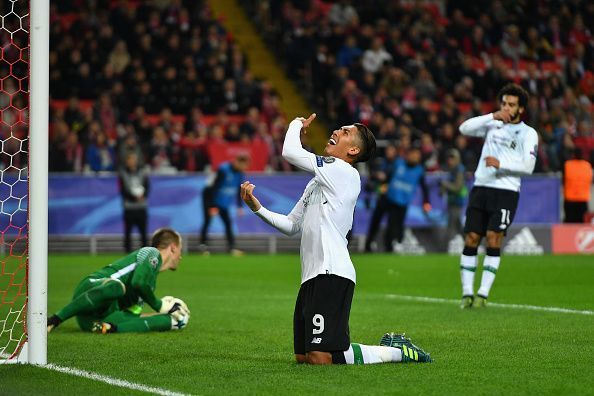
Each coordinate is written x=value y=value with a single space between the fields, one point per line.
x=186 y=86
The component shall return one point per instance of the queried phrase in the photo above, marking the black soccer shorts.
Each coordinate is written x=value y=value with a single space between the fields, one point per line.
x=321 y=318
x=490 y=209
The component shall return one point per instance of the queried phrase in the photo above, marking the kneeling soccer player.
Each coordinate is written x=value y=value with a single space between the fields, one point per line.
x=111 y=299
x=324 y=216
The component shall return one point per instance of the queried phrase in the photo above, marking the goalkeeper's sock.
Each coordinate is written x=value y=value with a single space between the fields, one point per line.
x=468 y=262
x=367 y=354
x=107 y=290
x=143 y=324
x=490 y=267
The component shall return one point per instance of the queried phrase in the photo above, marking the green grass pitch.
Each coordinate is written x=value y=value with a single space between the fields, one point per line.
x=239 y=339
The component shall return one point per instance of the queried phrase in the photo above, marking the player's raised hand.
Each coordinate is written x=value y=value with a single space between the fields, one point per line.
x=306 y=121
x=247 y=190
x=502 y=116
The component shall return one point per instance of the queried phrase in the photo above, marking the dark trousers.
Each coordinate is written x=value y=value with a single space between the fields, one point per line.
x=381 y=207
x=575 y=211
x=454 y=224
x=395 y=229
x=224 y=213
x=134 y=218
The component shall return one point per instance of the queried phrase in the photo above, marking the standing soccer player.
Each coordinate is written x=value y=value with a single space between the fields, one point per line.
x=111 y=299
x=324 y=216
x=509 y=151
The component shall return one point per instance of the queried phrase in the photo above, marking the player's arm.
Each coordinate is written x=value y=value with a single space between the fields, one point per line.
x=143 y=279
x=288 y=225
x=525 y=164
x=329 y=172
x=477 y=126
x=293 y=151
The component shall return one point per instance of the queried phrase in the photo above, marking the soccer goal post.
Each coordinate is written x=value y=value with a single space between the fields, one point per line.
x=24 y=104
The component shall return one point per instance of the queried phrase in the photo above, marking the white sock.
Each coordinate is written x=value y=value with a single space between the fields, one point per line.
x=467 y=270
x=371 y=354
x=490 y=267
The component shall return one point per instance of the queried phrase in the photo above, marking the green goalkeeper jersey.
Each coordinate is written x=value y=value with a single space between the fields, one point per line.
x=138 y=272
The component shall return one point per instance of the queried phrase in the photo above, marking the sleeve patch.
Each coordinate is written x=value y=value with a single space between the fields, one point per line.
x=534 y=151
x=329 y=160
x=319 y=161
x=154 y=262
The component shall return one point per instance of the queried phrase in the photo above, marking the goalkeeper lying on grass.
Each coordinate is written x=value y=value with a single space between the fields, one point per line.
x=111 y=299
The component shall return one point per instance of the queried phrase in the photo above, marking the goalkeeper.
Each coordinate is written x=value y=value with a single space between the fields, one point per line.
x=111 y=299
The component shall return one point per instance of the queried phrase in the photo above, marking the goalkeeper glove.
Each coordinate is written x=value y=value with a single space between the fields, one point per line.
x=174 y=307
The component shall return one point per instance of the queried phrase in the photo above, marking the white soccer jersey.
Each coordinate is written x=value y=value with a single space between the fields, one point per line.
x=514 y=145
x=324 y=213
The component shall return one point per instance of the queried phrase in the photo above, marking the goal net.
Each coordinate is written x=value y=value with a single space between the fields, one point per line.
x=14 y=195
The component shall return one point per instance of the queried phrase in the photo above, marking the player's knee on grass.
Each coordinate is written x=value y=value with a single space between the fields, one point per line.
x=316 y=357
x=300 y=358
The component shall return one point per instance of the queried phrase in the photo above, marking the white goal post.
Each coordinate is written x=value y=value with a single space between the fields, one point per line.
x=24 y=31
x=38 y=190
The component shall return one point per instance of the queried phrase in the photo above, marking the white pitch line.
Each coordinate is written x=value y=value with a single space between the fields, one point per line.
x=112 y=381
x=491 y=304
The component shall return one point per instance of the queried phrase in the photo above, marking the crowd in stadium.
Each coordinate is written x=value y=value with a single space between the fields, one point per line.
x=419 y=68
x=162 y=82
x=165 y=81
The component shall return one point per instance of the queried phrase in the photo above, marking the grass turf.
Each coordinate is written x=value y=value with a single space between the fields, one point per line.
x=239 y=340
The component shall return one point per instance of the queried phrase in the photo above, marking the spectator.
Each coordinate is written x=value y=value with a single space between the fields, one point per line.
x=160 y=151
x=119 y=58
x=342 y=13
x=100 y=154
x=454 y=187
x=380 y=175
x=349 y=52
x=375 y=57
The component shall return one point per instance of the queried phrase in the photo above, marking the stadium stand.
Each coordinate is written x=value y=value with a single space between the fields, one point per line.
x=421 y=67
x=164 y=73
x=172 y=76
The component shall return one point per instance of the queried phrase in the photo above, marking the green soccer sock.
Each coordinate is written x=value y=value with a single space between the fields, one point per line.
x=141 y=324
x=93 y=299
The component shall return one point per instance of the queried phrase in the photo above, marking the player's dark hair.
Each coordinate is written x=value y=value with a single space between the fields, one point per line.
x=367 y=141
x=515 y=90
x=164 y=237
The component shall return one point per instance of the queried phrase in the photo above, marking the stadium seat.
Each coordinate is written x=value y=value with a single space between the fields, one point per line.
x=549 y=67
